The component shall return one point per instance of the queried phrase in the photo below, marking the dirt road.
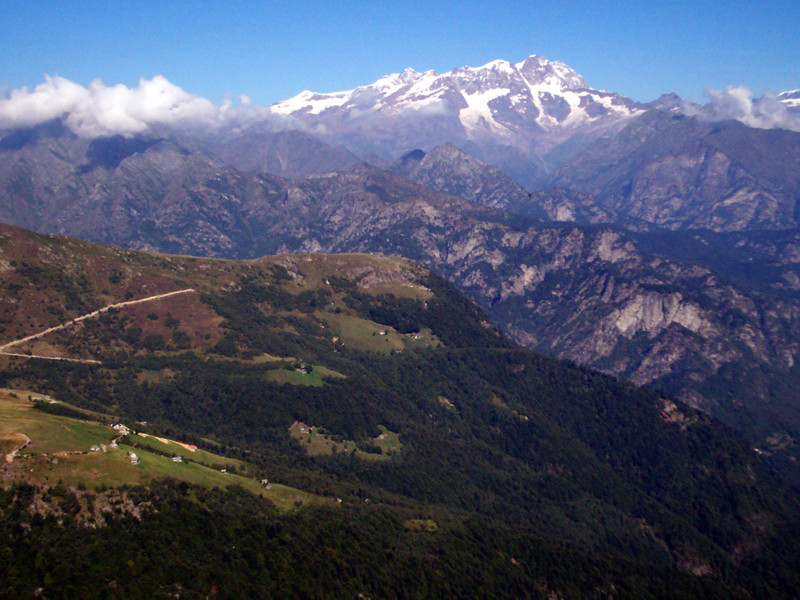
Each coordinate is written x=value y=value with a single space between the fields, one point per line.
x=80 y=360
x=95 y=313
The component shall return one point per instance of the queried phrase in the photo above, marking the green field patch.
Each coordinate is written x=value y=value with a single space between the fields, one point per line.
x=61 y=451
x=496 y=401
x=186 y=451
x=115 y=468
x=421 y=339
x=387 y=441
x=401 y=289
x=316 y=441
x=373 y=273
x=363 y=334
x=49 y=433
x=269 y=358
x=315 y=377
x=155 y=466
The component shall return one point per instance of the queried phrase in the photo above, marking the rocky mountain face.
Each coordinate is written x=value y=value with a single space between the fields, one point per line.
x=516 y=116
x=594 y=295
x=679 y=172
x=289 y=154
x=763 y=261
x=145 y=192
x=590 y=295
x=450 y=170
x=638 y=166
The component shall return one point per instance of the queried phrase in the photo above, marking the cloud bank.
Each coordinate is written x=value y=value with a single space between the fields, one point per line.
x=739 y=103
x=99 y=110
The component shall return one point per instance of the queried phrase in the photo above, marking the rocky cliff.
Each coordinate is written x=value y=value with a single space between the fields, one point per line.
x=679 y=172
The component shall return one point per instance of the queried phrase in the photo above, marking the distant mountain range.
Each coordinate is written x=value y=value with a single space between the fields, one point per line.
x=680 y=172
x=521 y=117
x=650 y=243
x=526 y=118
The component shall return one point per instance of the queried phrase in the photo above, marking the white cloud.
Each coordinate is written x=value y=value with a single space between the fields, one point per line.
x=766 y=112
x=99 y=110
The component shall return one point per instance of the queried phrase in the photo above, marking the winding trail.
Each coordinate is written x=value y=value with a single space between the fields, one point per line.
x=95 y=313
x=80 y=360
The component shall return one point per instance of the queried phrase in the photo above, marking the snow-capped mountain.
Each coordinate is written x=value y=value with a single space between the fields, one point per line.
x=546 y=94
x=512 y=114
x=790 y=99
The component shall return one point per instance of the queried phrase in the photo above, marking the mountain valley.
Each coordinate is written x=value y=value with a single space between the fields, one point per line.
x=486 y=441
x=416 y=312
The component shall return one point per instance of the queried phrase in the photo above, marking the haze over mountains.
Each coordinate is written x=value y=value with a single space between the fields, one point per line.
x=569 y=213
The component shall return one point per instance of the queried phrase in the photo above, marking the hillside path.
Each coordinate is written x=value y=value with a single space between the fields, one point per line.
x=79 y=360
x=81 y=318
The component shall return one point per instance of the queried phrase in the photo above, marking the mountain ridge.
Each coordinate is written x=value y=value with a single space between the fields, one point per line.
x=512 y=115
x=680 y=172
x=542 y=86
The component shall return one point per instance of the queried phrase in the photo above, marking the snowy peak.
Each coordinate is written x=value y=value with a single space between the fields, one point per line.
x=514 y=115
x=790 y=99
x=388 y=84
x=499 y=98
x=537 y=70
x=310 y=102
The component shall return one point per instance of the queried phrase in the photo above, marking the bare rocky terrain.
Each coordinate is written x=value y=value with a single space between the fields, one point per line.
x=680 y=172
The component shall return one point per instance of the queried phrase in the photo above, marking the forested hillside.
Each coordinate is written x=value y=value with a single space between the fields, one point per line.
x=445 y=460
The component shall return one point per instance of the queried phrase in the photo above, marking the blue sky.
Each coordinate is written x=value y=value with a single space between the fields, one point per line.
x=271 y=51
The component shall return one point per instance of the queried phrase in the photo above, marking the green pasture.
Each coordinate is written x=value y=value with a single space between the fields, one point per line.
x=315 y=378
x=60 y=452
